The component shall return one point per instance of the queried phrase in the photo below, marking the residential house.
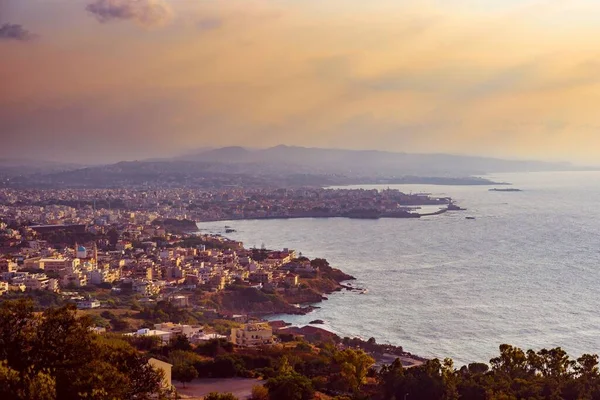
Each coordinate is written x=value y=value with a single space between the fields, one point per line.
x=252 y=334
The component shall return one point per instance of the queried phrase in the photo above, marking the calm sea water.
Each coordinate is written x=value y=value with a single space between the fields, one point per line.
x=526 y=271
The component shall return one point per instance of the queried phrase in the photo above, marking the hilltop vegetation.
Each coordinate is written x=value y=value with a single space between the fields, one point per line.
x=54 y=355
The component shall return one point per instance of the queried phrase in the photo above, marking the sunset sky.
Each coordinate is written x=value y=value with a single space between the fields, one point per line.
x=107 y=80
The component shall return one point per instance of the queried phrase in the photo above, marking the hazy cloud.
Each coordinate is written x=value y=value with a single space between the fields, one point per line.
x=208 y=24
x=15 y=32
x=144 y=12
x=385 y=74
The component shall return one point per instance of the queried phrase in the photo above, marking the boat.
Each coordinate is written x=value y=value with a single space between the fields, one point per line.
x=469 y=217
x=364 y=291
x=505 y=190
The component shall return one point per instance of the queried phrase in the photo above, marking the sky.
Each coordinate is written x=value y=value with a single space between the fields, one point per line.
x=109 y=80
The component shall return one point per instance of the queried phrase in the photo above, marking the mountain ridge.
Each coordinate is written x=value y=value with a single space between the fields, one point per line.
x=277 y=166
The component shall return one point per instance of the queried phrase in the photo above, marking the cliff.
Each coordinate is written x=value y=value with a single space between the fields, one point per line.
x=239 y=299
x=246 y=300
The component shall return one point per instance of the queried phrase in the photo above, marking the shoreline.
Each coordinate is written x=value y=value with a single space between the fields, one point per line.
x=407 y=215
x=383 y=353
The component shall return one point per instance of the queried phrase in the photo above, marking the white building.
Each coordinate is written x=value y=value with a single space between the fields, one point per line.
x=74 y=279
x=88 y=304
x=98 y=276
x=58 y=264
x=254 y=334
x=163 y=335
x=178 y=329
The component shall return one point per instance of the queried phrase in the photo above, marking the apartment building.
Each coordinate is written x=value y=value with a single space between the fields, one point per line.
x=252 y=334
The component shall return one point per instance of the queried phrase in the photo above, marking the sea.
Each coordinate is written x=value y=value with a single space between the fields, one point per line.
x=525 y=271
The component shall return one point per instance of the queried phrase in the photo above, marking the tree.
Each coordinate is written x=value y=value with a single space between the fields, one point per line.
x=478 y=368
x=290 y=387
x=56 y=356
x=39 y=387
x=184 y=365
x=391 y=379
x=259 y=392
x=512 y=362
x=215 y=347
x=354 y=366
x=184 y=373
x=180 y=342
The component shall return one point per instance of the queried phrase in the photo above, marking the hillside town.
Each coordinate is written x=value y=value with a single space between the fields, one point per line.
x=139 y=255
x=79 y=254
x=139 y=269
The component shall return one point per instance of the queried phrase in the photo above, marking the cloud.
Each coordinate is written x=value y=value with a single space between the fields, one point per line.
x=144 y=12
x=15 y=32
x=377 y=74
x=209 y=24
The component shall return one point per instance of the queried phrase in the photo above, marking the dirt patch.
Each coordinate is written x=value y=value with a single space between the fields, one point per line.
x=197 y=389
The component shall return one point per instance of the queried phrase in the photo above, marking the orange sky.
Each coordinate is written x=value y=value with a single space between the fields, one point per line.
x=129 y=79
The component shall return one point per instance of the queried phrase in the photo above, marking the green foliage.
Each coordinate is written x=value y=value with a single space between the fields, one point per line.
x=303 y=347
x=165 y=311
x=184 y=365
x=514 y=374
x=259 y=392
x=97 y=320
x=184 y=373
x=215 y=347
x=223 y=326
x=145 y=343
x=180 y=342
x=40 y=386
x=227 y=366
x=56 y=356
x=353 y=367
x=42 y=299
x=290 y=386
x=120 y=325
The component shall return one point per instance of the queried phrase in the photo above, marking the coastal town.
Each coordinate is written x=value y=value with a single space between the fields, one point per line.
x=283 y=200
x=140 y=268
x=103 y=205
x=156 y=259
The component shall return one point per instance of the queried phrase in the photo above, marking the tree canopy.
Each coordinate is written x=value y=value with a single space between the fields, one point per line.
x=55 y=355
x=514 y=374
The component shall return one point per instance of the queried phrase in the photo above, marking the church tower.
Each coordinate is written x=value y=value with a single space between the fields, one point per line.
x=96 y=254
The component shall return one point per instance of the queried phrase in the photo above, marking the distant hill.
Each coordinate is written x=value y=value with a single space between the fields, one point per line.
x=370 y=162
x=11 y=167
x=276 y=166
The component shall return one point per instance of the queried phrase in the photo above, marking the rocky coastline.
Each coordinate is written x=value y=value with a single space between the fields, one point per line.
x=302 y=300
x=293 y=301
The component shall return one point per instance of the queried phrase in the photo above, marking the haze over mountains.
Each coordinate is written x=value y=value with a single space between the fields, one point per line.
x=280 y=165
x=370 y=162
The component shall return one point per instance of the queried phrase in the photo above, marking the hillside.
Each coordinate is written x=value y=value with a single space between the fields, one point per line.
x=370 y=162
x=280 y=166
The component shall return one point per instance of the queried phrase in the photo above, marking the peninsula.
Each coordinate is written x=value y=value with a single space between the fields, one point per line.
x=313 y=203
x=179 y=209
